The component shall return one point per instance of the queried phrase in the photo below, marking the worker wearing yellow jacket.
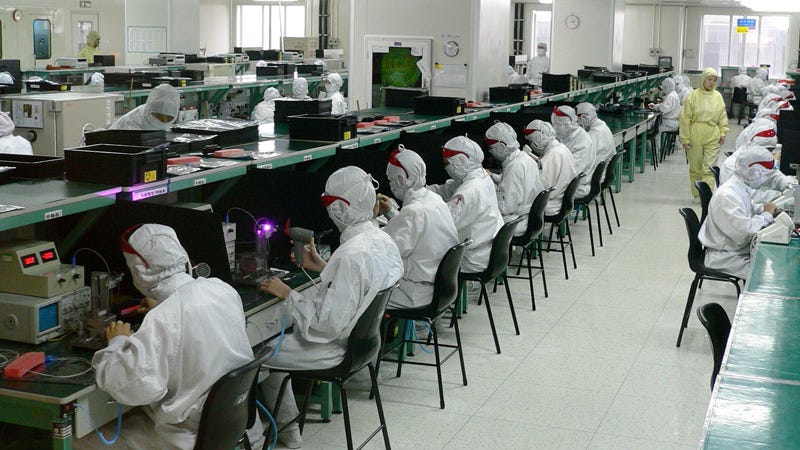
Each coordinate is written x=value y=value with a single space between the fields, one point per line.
x=703 y=125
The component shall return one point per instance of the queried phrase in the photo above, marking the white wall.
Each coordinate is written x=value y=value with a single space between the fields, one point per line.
x=184 y=34
x=215 y=30
x=596 y=42
x=641 y=33
x=145 y=13
x=18 y=37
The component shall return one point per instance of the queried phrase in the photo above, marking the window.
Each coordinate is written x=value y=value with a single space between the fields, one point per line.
x=540 y=32
x=722 y=45
x=41 y=38
x=261 y=26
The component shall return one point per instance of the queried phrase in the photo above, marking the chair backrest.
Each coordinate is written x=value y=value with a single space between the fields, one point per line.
x=696 y=253
x=705 y=198
x=501 y=249
x=715 y=172
x=536 y=217
x=656 y=125
x=364 y=342
x=611 y=170
x=445 y=285
x=568 y=202
x=594 y=184
x=739 y=95
x=715 y=320
x=230 y=407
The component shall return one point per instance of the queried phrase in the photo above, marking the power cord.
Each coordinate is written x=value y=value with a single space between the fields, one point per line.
x=272 y=423
x=100 y=436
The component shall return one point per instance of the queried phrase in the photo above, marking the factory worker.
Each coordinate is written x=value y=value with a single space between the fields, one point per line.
x=577 y=140
x=519 y=183
x=514 y=77
x=769 y=100
x=767 y=113
x=264 y=111
x=423 y=228
x=538 y=65
x=90 y=49
x=670 y=106
x=733 y=218
x=555 y=159
x=742 y=79
x=470 y=194
x=703 y=124
x=97 y=79
x=682 y=86
x=333 y=83
x=158 y=112
x=300 y=89
x=366 y=262
x=168 y=366
x=757 y=87
x=760 y=133
x=602 y=137
x=9 y=143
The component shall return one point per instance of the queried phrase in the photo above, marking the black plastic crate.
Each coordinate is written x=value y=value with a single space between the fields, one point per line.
x=268 y=71
x=608 y=77
x=438 y=106
x=309 y=69
x=118 y=165
x=402 y=97
x=283 y=68
x=46 y=85
x=509 y=94
x=285 y=108
x=33 y=166
x=228 y=131
x=557 y=83
x=322 y=127
x=142 y=138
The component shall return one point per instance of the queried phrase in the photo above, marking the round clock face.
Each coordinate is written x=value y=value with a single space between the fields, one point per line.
x=450 y=48
x=16 y=15
x=572 y=21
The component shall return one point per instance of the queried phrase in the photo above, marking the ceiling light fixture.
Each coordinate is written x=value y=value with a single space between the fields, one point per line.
x=772 y=5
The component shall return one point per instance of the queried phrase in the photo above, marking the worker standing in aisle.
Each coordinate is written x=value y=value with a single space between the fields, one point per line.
x=538 y=65
x=703 y=126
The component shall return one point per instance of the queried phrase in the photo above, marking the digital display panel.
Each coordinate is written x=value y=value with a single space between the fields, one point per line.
x=48 y=317
x=47 y=255
x=29 y=260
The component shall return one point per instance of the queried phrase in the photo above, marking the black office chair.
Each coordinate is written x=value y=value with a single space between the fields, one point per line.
x=715 y=172
x=740 y=97
x=445 y=293
x=696 y=256
x=608 y=183
x=363 y=346
x=668 y=139
x=530 y=240
x=230 y=408
x=556 y=221
x=704 y=190
x=498 y=263
x=652 y=133
x=584 y=202
x=715 y=320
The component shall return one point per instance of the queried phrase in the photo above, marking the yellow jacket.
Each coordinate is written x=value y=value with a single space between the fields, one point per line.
x=702 y=106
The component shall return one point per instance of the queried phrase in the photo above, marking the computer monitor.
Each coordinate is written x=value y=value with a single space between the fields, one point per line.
x=104 y=60
x=665 y=61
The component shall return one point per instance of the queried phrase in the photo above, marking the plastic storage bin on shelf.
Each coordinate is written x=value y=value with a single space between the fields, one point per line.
x=120 y=165
x=509 y=94
x=33 y=166
x=286 y=107
x=322 y=127
x=430 y=105
x=142 y=138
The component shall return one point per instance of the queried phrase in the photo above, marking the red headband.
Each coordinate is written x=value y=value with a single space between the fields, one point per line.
x=393 y=161
x=559 y=113
x=126 y=246
x=770 y=132
x=326 y=199
x=766 y=164
x=447 y=153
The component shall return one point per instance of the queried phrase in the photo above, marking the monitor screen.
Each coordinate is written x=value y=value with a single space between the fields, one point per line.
x=48 y=317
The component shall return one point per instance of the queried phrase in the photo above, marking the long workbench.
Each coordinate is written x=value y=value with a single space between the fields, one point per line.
x=755 y=400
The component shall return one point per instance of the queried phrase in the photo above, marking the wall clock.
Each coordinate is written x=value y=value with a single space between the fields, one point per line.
x=450 y=48
x=572 y=21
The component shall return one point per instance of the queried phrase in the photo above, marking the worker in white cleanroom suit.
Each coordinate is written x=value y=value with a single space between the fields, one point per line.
x=538 y=65
x=366 y=262
x=300 y=89
x=602 y=137
x=264 y=111
x=333 y=83
x=577 y=140
x=158 y=112
x=519 y=183
x=423 y=228
x=670 y=106
x=757 y=88
x=194 y=334
x=470 y=194
x=742 y=79
x=556 y=161
x=733 y=218
x=9 y=143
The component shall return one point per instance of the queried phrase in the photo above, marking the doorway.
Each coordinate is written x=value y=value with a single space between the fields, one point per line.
x=398 y=61
x=82 y=24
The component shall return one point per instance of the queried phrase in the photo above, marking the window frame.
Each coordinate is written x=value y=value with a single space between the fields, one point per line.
x=740 y=59
x=267 y=20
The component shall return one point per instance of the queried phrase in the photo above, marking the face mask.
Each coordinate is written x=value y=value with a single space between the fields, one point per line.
x=334 y=212
x=398 y=191
x=455 y=173
x=757 y=176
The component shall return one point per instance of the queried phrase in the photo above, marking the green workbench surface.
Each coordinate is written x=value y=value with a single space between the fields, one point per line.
x=49 y=199
x=753 y=414
x=765 y=341
x=286 y=152
x=775 y=270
